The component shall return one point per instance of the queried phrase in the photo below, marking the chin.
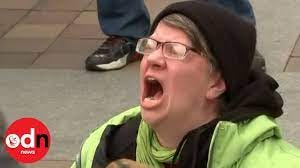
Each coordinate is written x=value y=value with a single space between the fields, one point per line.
x=152 y=117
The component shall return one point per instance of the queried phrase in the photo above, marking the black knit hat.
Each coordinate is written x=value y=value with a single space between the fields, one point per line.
x=231 y=39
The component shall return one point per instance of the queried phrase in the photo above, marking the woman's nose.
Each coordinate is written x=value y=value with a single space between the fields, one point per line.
x=156 y=59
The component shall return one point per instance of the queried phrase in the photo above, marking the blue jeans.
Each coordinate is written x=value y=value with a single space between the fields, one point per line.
x=242 y=8
x=131 y=19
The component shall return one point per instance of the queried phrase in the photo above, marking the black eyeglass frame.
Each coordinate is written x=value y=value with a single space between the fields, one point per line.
x=161 y=44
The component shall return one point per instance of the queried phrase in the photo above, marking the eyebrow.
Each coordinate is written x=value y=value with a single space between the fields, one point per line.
x=151 y=37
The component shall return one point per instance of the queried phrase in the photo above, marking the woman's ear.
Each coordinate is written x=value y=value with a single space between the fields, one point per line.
x=217 y=86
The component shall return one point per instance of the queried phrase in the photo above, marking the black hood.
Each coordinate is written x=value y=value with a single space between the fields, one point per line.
x=258 y=96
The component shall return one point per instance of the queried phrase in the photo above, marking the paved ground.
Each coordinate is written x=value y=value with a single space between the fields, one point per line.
x=43 y=45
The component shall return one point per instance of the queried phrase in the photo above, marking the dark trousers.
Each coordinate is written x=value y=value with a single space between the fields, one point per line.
x=130 y=18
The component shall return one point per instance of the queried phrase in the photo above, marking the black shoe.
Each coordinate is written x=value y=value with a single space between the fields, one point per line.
x=258 y=62
x=114 y=53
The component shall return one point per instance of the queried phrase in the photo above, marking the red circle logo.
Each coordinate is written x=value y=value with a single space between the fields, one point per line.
x=27 y=140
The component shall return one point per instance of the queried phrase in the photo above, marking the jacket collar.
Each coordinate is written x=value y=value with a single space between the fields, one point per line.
x=232 y=141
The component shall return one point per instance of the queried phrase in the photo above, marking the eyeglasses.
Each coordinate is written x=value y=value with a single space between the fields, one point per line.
x=173 y=50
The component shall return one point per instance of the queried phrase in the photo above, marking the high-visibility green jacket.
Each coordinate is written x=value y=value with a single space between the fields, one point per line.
x=253 y=143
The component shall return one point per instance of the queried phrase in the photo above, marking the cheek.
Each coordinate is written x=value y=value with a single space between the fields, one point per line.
x=188 y=86
x=188 y=83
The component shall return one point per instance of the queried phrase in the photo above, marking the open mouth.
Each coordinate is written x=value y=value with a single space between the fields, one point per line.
x=153 y=89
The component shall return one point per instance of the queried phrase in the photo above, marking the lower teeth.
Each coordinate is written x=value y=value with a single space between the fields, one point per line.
x=150 y=98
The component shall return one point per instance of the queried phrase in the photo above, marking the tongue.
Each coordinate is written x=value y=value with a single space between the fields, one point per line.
x=158 y=94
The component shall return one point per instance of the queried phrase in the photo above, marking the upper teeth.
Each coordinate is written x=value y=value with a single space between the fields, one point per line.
x=150 y=79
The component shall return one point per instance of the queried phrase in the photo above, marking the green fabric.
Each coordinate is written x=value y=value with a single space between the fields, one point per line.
x=252 y=143
x=89 y=147
x=149 y=151
x=248 y=144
